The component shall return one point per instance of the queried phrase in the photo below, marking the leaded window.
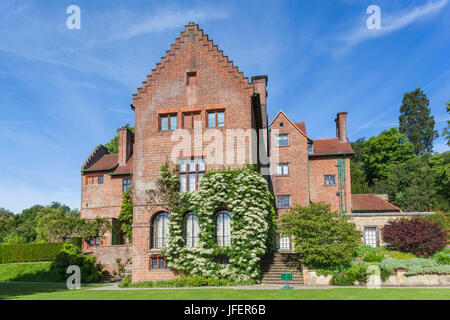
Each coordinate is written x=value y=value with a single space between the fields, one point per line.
x=190 y=172
x=191 y=230
x=223 y=228
x=282 y=140
x=160 y=230
x=283 y=201
x=283 y=169
x=126 y=183
x=330 y=180
x=371 y=236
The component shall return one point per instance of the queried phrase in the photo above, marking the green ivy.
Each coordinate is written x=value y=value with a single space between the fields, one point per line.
x=245 y=194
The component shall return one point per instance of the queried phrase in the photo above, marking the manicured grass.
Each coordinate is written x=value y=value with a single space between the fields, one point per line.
x=59 y=292
x=26 y=272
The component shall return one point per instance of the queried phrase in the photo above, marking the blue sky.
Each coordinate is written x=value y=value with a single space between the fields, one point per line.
x=62 y=92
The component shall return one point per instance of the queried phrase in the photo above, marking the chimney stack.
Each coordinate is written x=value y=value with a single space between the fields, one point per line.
x=260 y=87
x=126 y=140
x=341 y=127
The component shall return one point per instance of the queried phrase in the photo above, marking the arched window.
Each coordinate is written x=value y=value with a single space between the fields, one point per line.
x=160 y=229
x=223 y=228
x=191 y=229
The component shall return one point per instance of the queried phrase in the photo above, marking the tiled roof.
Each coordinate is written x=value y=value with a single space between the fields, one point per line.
x=331 y=146
x=301 y=126
x=371 y=202
x=126 y=169
x=105 y=163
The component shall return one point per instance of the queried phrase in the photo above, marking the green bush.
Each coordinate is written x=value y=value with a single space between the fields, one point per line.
x=76 y=241
x=91 y=271
x=374 y=257
x=357 y=272
x=413 y=267
x=31 y=252
x=324 y=239
x=442 y=258
x=184 y=281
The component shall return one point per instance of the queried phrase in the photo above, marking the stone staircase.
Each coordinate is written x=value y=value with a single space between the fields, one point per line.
x=272 y=266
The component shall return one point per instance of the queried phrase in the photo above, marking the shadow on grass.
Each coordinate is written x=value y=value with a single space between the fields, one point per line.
x=22 y=289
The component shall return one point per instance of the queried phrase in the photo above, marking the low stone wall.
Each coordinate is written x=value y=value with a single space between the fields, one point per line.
x=311 y=278
x=108 y=255
x=422 y=280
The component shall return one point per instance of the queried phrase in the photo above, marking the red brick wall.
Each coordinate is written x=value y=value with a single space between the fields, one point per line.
x=296 y=184
x=318 y=168
x=218 y=86
x=108 y=255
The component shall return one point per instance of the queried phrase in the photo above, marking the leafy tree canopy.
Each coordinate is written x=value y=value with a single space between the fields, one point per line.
x=416 y=121
x=446 y=132
x=388 y=148
x=323 y=239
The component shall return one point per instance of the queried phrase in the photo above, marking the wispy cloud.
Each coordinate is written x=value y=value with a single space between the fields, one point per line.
x=392 y=22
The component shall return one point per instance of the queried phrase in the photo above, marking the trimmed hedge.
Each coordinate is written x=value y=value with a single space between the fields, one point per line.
x=30 y=252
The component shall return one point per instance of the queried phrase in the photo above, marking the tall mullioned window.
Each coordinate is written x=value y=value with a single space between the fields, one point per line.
x=190 y=172
x=160 y=230
x=223 y=228
x=191 y=230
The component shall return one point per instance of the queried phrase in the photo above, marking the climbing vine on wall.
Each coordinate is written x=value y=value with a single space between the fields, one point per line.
x=245 y=194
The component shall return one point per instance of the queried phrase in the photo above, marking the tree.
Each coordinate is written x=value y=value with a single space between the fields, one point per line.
x=415 y=235
x=323 y=239
x=126 y=215
x=446 y=131
x=409 y=185
x=5 y=216
x=358 y=148
x=388 y=148
x=113 y=144
x=416 y=121
x=359 y=182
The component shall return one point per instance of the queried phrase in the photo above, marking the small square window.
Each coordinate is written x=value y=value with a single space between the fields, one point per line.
x=283 y=201
x=168 y=122
x=330 y=180
x=283 y=169
x=282 y=140
x=216 y=119
x=100 y=180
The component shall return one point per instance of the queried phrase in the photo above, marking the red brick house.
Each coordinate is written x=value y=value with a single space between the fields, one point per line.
x=195 y=88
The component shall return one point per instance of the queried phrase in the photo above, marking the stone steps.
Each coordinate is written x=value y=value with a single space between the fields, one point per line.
x=273 y=266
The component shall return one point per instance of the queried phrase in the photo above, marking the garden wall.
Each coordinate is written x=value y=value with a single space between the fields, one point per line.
x=399 y=279
x=108 y=255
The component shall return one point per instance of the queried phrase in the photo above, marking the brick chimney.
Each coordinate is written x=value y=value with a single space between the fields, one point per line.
x=341 y=127
x=260 y=87
x=126 y=141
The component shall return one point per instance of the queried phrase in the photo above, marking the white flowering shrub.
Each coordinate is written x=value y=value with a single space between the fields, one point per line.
x=245 y=194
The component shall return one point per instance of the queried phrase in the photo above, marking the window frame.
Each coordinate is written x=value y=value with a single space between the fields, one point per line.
x=163 y=215
x=126 y=186
x=224 y=236
x=216 y=117
x=280 y=139
x=100 y=179
x=377 y=235
x=283 y=174
x=168 y=116
x=288 y=196
x=325 y=180
x=194 y=238
x=189 y=172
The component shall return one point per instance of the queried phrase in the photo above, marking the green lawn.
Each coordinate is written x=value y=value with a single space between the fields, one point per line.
x=59 y=292
x=30 y=272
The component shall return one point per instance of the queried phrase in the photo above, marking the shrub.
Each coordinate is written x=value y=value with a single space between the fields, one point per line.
x=184 y=281
x=374 y=257
x=76 y=241
x=91 y=271
x=442 y=257
x=418 y=236
x=31 y=252
x=413 y=267
x=357 y=272
x=324 y=239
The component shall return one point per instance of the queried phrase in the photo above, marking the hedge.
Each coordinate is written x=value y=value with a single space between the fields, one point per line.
x=31 y=252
